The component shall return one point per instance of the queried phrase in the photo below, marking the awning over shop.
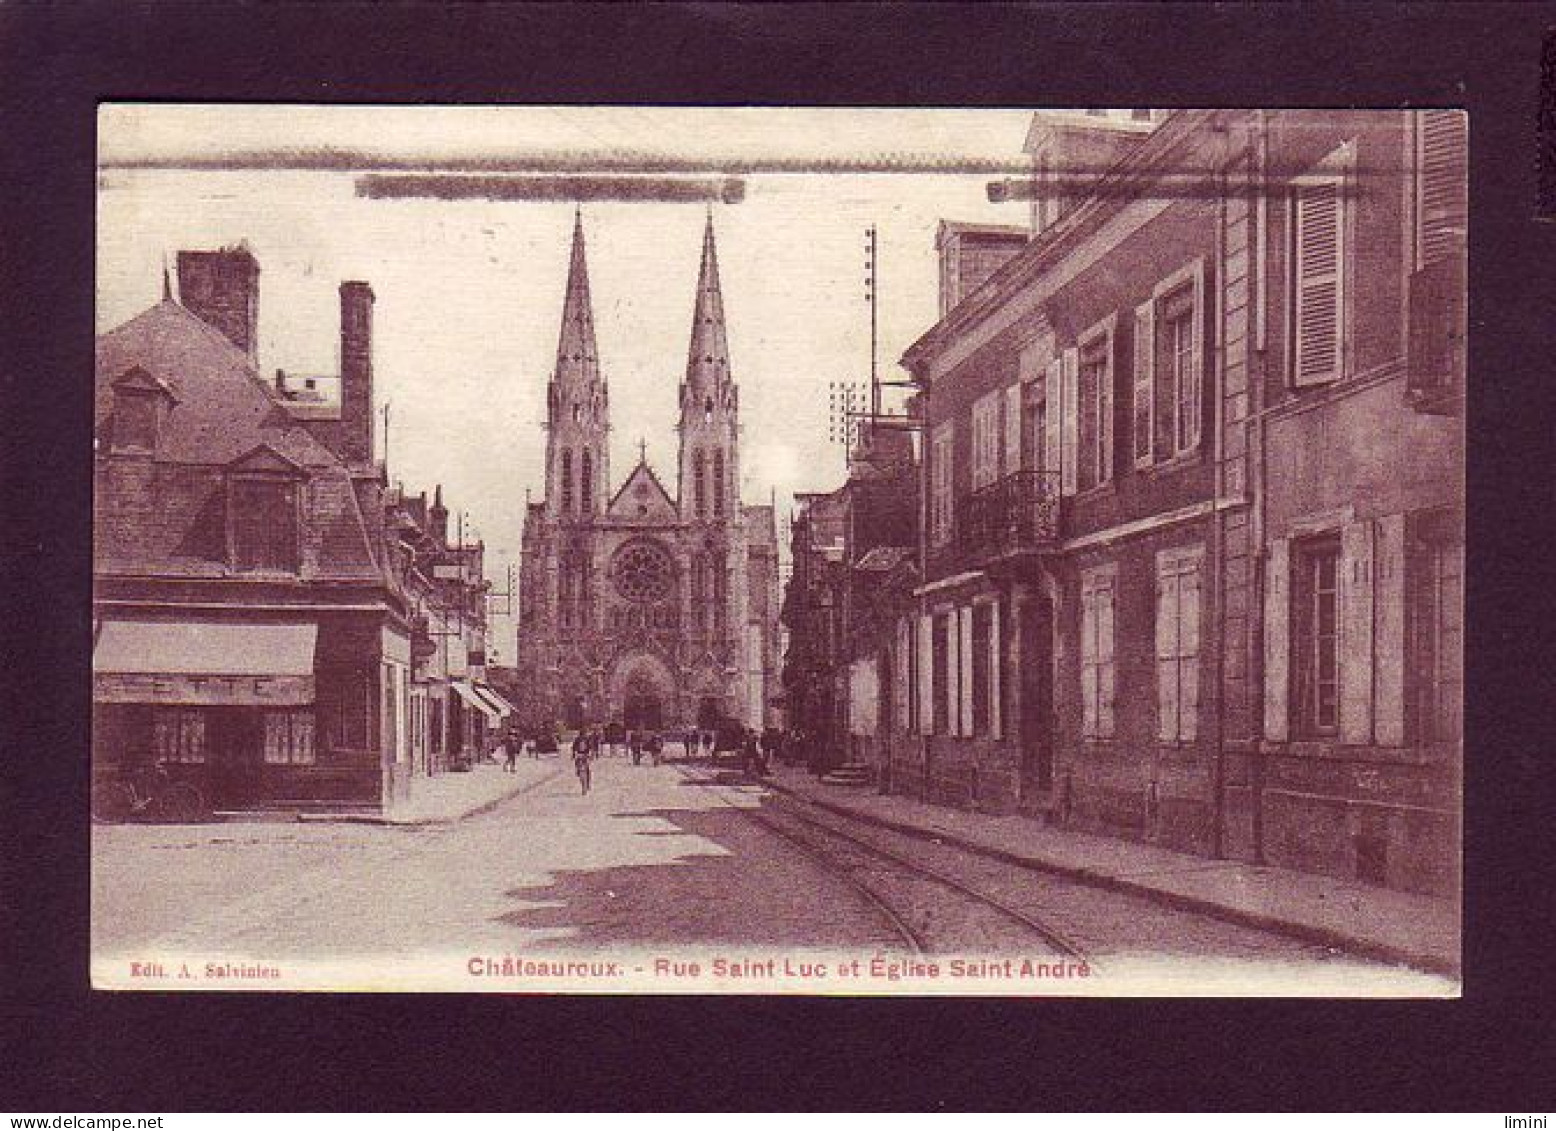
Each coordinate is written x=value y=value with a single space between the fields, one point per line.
x=215 y=663
x=468 y=693
x=496 y=697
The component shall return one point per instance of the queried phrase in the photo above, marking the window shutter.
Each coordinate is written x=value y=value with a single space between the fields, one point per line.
x=926 y=674
x=995 y=671
x=1442 y=156
x=1053 y=423
x=964 y=651
x=1389 y=618
x=1167 y=656
x=1320 y=301
x=1145 y=394
x=1188 y=651
x=1277 y=645
x=1107 y=381
x=1105 y=673
x=1356 y=632
x=953 y=675
x=1194 y=428
x=1088 y=663
x=1069 y=412
x=1012 y=462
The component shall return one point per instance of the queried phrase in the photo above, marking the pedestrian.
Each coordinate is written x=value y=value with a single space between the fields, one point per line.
x=510 y=750
x=581 y=759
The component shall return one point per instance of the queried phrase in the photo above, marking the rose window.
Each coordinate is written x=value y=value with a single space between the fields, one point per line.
x=643 y=572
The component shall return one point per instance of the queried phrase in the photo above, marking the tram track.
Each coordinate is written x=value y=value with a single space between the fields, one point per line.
x=984 y=920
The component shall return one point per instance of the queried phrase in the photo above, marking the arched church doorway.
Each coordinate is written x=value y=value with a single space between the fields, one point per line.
x=642 y=691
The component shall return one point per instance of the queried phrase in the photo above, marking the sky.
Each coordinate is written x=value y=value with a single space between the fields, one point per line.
x=469 y=291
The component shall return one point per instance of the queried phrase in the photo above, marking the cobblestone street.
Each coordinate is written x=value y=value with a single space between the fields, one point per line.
x=656 y=859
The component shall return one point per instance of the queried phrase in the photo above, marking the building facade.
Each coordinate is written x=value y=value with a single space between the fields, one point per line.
x=256 y=611
x=1192 y=494
x=637 y=605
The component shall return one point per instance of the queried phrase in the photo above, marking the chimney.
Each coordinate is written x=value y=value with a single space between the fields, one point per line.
x=356 y=372
x=222 y=288
x=437 y=517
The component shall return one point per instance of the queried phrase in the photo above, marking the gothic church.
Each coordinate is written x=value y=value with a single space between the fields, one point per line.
x=639 y=606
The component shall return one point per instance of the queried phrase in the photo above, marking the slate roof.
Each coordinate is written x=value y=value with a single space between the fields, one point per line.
x=167 y=518
x=224 y=409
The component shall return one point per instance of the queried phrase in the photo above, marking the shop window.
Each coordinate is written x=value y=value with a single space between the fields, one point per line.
x=1315 y=635
x=289 y=738
x=178 y=735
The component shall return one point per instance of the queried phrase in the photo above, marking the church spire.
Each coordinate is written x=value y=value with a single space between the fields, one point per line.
x=577 y=359
x=707 y=360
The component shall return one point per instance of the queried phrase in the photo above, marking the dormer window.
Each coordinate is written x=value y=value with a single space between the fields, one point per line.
x=264 y=522
x=139 y=404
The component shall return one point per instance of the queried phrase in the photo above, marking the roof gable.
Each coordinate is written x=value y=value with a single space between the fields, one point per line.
x=264 y=459
x=642 y=498
x=222 y=409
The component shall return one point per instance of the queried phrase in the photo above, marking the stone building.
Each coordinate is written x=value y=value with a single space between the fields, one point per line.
x=640 y=605
x=248 y=633
x=1192 y=494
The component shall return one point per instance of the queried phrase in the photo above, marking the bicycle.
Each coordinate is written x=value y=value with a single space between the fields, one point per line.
x=150 y=794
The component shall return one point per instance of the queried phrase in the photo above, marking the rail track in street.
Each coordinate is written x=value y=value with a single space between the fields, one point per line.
x=932 y=910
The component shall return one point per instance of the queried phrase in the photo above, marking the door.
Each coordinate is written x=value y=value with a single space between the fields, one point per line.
x=1037 y=700
x=642 y=712
x=236 y=739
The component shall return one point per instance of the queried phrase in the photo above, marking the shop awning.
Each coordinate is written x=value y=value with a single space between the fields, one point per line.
x=204 y=662
x=468 y=693
x=496 y=697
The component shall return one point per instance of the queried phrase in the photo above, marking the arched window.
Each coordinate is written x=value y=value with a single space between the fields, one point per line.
x=720 y=590
x=586 y=483
x=718 y=482
x=699 y=592
x=707 y=409
x=700 y=489
x=567 y=481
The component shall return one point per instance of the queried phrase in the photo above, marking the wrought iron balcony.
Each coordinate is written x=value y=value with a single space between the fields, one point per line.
x=1015 y=515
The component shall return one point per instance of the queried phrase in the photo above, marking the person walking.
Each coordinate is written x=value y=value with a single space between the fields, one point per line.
x=581 y=758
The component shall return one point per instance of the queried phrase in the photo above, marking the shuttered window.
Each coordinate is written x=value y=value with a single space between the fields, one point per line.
x=986 y=439
x=1096 y=408
x=942 y=452
x=1143 y=385
x=1319 y=272
x=1437 y=636
x=924 y=676
x=1062 y=373
x=982 y=668
x=1315 y=635
x=942 y=691
x=1097 y=666
x=1442 y=178
x=1011 y=462
x=1177 y=644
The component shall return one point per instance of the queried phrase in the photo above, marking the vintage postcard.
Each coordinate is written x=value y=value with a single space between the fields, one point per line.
x=818 y=551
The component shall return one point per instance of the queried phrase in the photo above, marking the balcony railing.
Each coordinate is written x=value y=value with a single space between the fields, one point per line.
x=1014 y=515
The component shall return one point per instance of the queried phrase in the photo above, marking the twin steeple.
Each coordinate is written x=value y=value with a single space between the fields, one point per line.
x=578 y=409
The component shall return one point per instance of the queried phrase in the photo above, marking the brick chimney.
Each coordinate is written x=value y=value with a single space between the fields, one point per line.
x=356 y=372
x=222 y=288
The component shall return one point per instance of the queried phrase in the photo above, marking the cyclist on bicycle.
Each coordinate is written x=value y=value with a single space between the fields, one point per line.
x=582 y=754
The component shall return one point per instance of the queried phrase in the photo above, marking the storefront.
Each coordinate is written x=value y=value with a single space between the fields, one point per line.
x=227 y=706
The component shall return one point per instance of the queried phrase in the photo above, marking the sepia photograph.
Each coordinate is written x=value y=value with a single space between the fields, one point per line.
x=783 y=550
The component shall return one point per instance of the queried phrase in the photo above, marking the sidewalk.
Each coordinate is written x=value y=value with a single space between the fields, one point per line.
x=448 y=796
x=1368 y=921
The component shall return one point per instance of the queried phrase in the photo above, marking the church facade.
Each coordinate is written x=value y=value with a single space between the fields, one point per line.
x=639 y=605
